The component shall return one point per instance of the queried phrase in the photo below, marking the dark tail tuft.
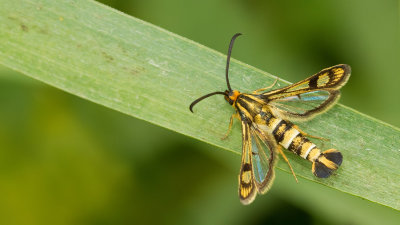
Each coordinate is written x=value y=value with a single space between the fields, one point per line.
x=326 y=163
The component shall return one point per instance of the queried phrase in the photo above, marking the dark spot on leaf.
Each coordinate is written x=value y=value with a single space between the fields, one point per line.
x=24 y=28
x=134 y=70
x=137 y=70
x=108 y=57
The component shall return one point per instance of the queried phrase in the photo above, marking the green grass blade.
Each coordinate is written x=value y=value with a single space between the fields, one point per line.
x=128 y=65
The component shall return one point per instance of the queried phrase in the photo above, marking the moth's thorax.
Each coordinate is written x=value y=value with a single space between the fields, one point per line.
x=250 y=103
x=231 y=96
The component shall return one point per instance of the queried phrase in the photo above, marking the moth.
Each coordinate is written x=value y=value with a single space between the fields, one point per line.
x=266 y=118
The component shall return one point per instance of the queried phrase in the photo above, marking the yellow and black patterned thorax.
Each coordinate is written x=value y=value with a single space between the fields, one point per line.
x=248 y=106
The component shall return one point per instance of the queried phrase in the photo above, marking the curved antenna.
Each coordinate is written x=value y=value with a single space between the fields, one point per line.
x=203 y=97
x=228 y=58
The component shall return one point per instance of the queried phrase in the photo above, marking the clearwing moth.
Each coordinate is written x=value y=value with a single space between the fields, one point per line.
x=266 y=118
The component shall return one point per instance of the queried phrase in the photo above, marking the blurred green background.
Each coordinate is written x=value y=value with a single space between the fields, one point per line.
x=68 y=161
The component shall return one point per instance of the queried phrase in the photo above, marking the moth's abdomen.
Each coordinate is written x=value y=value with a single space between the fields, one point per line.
x=286 y=134
x=327 y=162
x=303 y=147
x=290 y=138
x=323 y=163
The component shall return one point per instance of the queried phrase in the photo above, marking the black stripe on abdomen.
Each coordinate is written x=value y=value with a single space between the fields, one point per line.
x=280 y=130
x=297 y=144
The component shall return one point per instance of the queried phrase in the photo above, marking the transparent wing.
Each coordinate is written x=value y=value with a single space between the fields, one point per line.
x=264 y=159
x=309 y=97
x=258 y=161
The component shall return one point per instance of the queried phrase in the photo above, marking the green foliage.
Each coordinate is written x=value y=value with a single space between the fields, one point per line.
x=138 y=69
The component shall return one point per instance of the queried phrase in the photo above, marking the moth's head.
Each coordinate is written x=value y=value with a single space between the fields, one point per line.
x=231 y=96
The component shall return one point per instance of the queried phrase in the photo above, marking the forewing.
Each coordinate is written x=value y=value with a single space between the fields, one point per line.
x=247 y=188
x=309 y=97
x=264 y=159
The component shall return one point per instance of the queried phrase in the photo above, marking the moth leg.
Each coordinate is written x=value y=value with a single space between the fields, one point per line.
x=235 y=115
x=308 y=135
x=266 y=88
x=286 y=159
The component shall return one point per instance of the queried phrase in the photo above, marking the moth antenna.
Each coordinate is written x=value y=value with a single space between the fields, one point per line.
x=228 y=58
x=205 y=96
